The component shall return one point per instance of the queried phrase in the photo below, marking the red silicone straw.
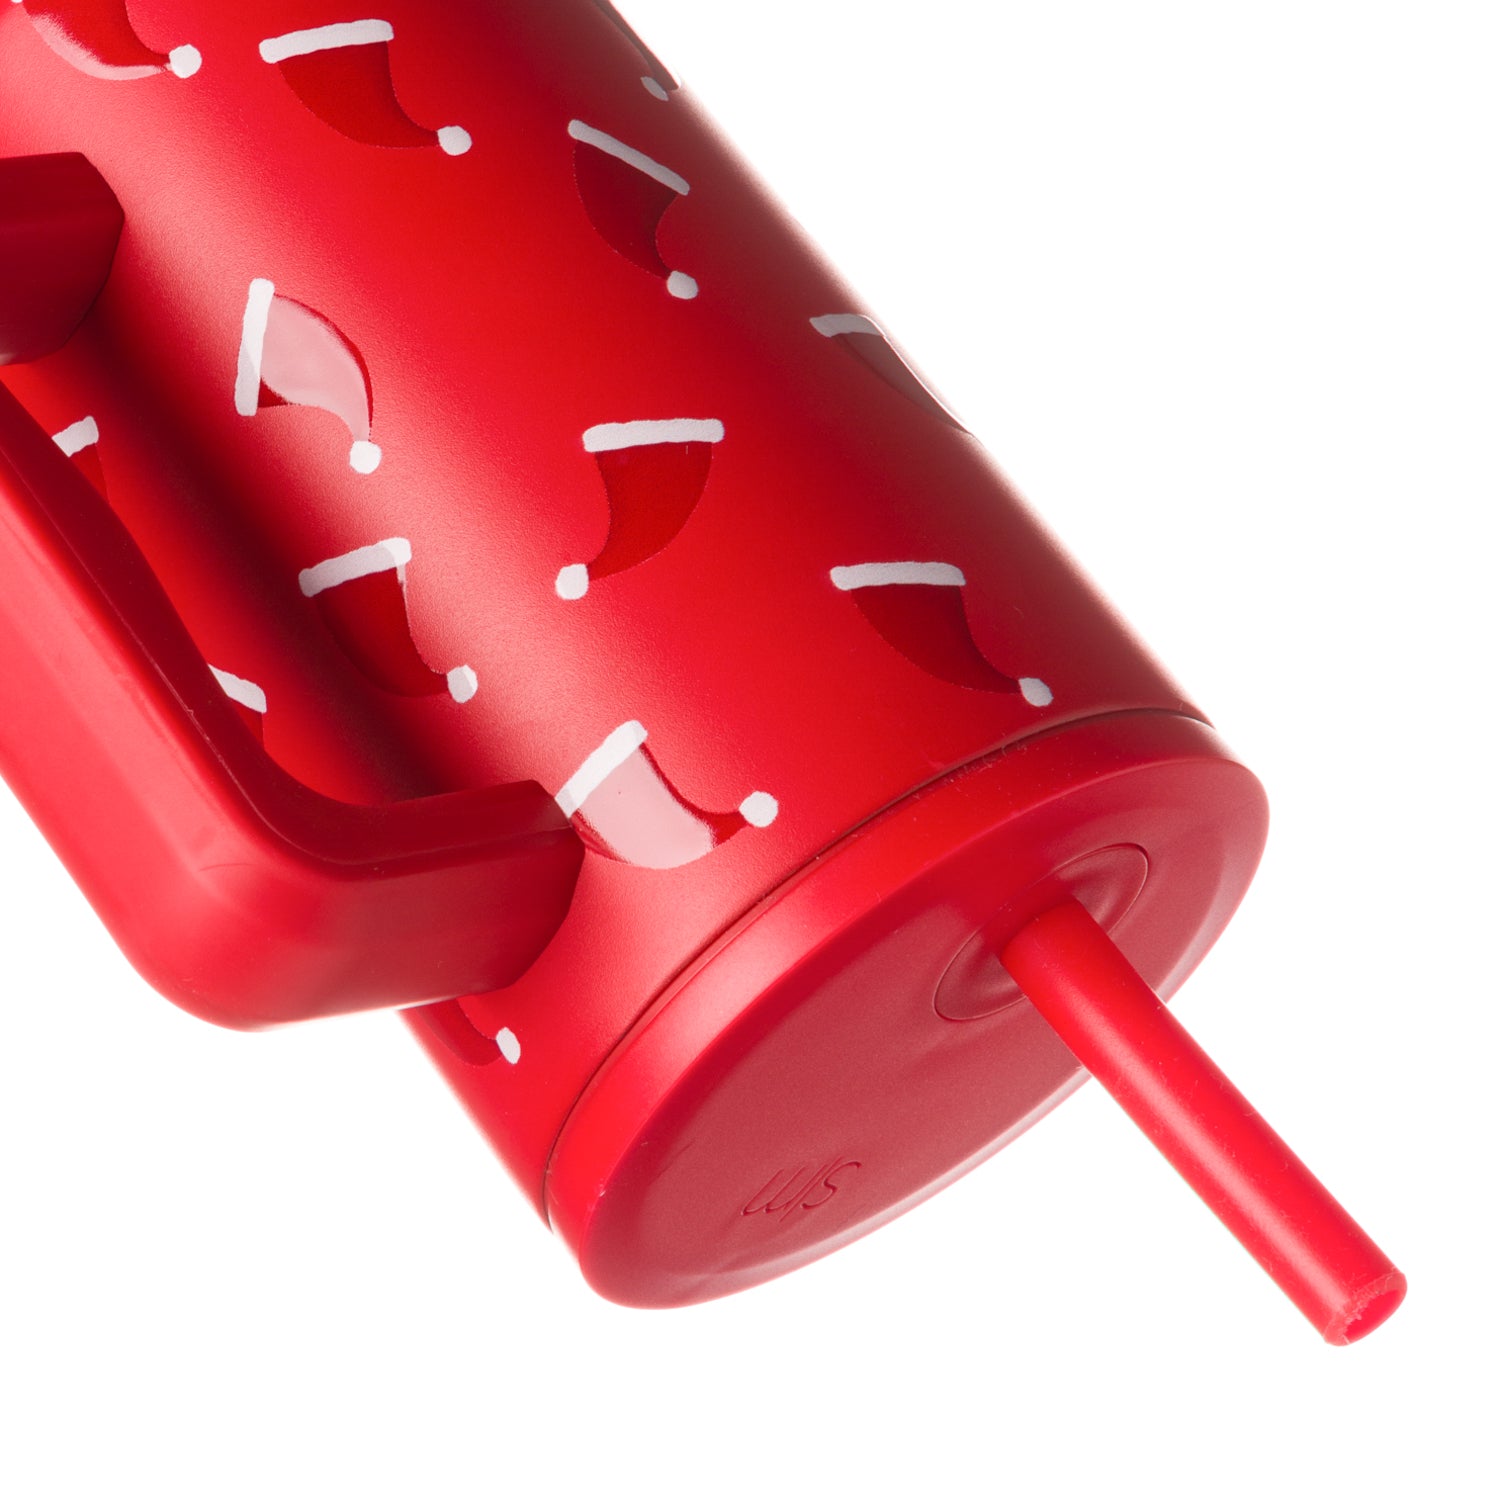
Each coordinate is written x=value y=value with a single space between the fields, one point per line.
x=1115 y=1025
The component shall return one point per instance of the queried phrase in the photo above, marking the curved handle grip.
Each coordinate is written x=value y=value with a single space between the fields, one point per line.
x=242 y=894
x=237 y=891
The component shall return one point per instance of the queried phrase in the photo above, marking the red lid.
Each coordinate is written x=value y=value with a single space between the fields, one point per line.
x=853 y=1044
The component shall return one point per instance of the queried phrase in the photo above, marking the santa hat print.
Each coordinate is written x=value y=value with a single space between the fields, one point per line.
x=362 y=598
x=867 y=340
x=657 y=80
x=625 y=193
x=624 y=807
x=918 y=608
x=247 y=697
x=293 y=356
x=654 y=473
x=342 y=73
x=80 y=442
x=452 y=1024
x=97 y=38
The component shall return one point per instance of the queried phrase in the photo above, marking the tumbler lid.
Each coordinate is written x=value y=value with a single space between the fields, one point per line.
x=853 y=1045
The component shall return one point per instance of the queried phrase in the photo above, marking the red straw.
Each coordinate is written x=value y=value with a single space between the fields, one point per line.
x=1112 y=1021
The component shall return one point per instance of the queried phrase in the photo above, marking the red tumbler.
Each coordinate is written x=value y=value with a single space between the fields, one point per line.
x=467 y=553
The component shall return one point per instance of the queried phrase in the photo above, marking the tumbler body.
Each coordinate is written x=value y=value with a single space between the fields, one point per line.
x=929 y=747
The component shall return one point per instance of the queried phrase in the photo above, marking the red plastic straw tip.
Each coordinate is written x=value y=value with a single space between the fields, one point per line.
x=1115 y=1025
x=1367 y=1311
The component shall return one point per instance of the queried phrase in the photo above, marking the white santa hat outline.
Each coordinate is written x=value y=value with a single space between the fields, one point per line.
x=611 y=437
x=839 y=325
x=241 y=690
x=74 y=438
x=881 y=575
x=931 y=575
x=759 y=809
x=679 y=283
x=618 y=746
x=80 y=442
x=394 y=553
x=180 y=62
x=453 y=139
x=364 y=456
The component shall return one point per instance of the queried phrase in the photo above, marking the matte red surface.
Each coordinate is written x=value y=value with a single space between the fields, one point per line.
x=59 y=227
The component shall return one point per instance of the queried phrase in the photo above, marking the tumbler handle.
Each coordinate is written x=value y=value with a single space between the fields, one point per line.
x=240 y=893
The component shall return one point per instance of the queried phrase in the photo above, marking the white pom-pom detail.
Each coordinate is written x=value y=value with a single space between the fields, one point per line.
x=573 y=581
x=1036 y=692
x=680 y=284
x=759 y=809
x=184 y=61
x=364 y=458
x=454 y=139
x=463 y=683
x=509 y=1044
x=656 y=91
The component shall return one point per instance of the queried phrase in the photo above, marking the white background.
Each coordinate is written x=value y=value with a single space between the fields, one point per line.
x=1218 y=285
